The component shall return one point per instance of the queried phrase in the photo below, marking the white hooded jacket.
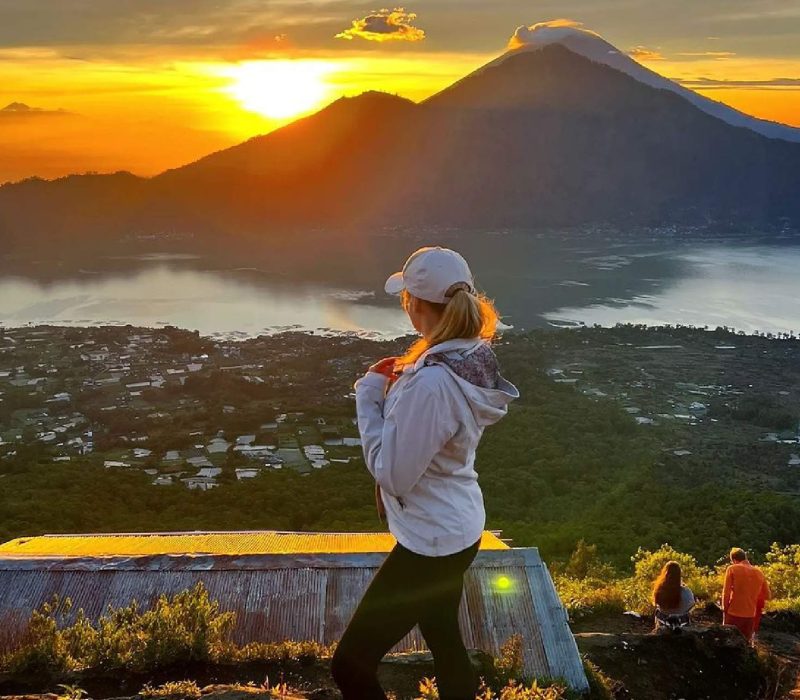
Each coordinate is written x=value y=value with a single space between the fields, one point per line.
x=420 y=439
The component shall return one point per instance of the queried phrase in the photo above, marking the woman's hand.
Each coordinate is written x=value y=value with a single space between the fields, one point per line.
x=384 y=367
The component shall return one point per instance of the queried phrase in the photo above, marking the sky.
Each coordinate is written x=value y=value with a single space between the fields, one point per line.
x=147 y=85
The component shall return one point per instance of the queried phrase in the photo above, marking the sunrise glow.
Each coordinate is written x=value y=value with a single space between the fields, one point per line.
x=278 y=89
x=145 y=91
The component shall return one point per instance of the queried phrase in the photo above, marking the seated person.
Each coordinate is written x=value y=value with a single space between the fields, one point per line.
x=672 y=599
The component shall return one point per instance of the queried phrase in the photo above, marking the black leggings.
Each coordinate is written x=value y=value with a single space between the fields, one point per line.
x=408 y=589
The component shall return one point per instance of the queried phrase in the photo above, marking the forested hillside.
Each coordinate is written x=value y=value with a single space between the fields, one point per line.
x=574 y=459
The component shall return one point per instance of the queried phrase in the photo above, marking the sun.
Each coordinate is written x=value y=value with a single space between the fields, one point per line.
x=280 y=88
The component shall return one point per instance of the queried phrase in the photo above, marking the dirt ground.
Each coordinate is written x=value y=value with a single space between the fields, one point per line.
x=704 y=661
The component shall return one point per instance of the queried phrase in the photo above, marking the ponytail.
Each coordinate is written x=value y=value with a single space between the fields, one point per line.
x=467 y=314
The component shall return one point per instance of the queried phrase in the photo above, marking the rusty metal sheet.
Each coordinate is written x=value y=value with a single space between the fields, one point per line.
x=232 y=543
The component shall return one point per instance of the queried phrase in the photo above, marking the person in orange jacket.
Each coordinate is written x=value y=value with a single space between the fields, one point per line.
x=744 y=594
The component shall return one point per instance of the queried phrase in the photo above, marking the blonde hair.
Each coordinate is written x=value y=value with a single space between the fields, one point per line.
x=465 y=315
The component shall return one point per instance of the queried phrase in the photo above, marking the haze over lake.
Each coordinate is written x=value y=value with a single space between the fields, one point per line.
x=536 y=280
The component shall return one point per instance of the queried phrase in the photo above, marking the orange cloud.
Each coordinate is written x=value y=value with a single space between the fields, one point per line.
x=642 y=53
x=385 y=25
x=554 y=28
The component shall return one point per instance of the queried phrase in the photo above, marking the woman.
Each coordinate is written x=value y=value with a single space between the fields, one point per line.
x=421 y=417
x=672 y=599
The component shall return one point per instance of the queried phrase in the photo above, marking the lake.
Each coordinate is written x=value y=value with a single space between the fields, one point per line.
x=537 y=279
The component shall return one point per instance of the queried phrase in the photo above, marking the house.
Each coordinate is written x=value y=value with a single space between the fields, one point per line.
x=200 y=461
x=247 y=473
x=287 y=585
x=209 y=472
x=255 y=451
x=162 y=481
x=137 y=386
x=218 y=445
x=245 y=439
x=200 y=483
x=291 y=457
x=313 y=452
x=115 y=463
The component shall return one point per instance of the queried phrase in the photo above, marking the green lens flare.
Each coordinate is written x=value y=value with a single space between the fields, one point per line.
x=503 y=583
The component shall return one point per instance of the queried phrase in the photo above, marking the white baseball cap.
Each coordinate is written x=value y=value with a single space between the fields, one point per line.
x=432 y=274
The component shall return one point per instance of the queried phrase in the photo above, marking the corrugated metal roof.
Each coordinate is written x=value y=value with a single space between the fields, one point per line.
x=305 y=596
x=247 y=542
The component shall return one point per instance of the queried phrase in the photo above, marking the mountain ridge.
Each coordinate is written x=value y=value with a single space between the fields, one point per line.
x=546 y=137
x=595 y=48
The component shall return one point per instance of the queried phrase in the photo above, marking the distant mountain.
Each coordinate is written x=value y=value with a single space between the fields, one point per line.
x=595 y=48
x=538 y=137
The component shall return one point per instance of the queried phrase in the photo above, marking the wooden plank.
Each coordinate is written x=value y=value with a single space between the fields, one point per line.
x=563 y=657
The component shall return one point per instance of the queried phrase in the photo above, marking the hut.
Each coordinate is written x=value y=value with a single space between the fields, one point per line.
x=285 y=586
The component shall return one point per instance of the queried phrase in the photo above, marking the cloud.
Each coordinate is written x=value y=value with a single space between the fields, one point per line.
x=385 y=25
x=549 y=31
x=20 y=109
x=713 y=84
x=719 y=55
x=113 y=24
x=642 y=53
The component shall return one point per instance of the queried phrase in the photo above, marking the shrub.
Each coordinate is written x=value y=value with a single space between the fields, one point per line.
x=706 y=584
x=43 y=649
x=302 y=653
x=789 y=605
x=71 y=692
x=603 y=592
x=519 y=691
x=782 y=569
x=513 y=690
x=590 y=596
x=185 y=627
x=172 y=689
x=585 y=562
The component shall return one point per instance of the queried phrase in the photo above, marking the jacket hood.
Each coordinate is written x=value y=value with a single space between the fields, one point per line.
x=474 y=366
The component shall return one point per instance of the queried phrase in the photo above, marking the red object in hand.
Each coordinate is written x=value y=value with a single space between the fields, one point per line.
x=384 y=366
